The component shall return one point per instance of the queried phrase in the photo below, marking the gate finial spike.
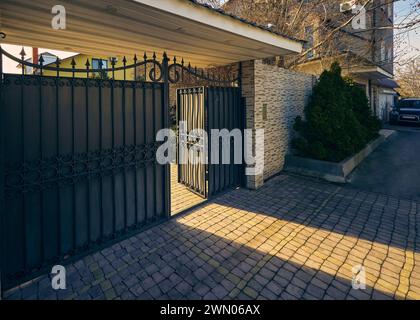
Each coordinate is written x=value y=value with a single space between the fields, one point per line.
x=57 y=61
x=182 y=62
x=145 y=56
x=87 y=64
x=174 y=59
x=124 y=60
x=154 y=55
x=22 y=53
x=135 y=59
x=73 y=63
x=41 y=60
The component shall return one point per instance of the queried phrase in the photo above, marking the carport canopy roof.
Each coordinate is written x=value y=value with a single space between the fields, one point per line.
x=182 y=28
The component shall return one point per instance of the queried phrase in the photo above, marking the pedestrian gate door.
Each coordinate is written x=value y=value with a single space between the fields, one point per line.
x=209 y=109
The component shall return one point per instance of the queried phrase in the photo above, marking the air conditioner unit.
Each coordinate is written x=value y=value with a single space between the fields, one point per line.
x=347 y=6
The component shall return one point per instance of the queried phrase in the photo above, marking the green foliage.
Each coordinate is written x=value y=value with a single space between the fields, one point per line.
x=102 y=75
x=338 y=121
x=359 y=103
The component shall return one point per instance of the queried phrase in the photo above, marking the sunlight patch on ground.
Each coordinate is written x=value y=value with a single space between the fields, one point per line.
x=329 y=252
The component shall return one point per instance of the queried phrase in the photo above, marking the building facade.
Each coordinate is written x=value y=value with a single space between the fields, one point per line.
x=364 y=45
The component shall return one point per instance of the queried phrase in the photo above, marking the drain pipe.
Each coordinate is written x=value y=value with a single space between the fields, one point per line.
x=35 y=59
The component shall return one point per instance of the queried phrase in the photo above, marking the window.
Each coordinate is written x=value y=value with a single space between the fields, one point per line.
x=383 y=51
x=414 y=104
x=390 y=54
x=309 y=36
x=100 y=64
x=96 y=64
x=390 y=7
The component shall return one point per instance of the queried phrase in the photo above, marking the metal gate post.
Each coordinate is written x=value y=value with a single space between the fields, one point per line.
x=166 y=120
x=207 y=124
x=1 y=177
x=242 y=101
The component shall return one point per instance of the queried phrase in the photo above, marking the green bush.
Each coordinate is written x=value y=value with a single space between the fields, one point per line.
x=338 y=121
x=359 y=103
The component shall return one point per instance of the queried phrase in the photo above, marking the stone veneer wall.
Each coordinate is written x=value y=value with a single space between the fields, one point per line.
x=284 y=94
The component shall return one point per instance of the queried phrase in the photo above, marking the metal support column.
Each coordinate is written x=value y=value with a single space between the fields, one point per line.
x=242 y=101
x=1 y=177
x=166 y=124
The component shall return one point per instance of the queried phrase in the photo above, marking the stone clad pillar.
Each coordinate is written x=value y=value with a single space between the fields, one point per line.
x=274 y=97
x=248 y=93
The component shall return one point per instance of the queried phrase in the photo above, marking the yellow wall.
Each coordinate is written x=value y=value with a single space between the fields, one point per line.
x=81 y=64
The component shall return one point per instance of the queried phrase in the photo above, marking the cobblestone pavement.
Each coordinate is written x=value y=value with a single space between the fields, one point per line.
x=295 y=238
x=181 y=197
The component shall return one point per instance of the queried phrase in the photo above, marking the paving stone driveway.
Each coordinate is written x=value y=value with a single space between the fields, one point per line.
x=295 y=238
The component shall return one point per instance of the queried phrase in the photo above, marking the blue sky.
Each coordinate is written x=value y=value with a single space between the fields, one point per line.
x=411 y=39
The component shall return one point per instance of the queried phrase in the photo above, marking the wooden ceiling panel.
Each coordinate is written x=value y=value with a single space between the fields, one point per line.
x=126 y=27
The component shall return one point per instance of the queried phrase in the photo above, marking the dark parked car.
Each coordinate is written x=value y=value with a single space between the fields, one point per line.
x=407 y=110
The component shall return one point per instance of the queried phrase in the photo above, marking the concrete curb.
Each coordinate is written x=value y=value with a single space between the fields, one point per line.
x=331 y=171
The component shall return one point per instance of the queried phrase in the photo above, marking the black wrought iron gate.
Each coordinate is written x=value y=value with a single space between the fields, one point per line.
x=78 y=167
x=209 y=109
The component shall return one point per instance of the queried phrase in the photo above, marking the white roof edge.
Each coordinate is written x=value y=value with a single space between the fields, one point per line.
x=217 y=20
x=384 y=72
x=373 y=69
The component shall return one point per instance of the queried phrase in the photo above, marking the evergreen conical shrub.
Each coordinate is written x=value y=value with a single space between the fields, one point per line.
x=334 y=126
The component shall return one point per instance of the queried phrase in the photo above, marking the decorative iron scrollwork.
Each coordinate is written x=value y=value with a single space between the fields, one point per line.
x=177 y=70
x=153 y=69
x=49 y=173
x=153 y=72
